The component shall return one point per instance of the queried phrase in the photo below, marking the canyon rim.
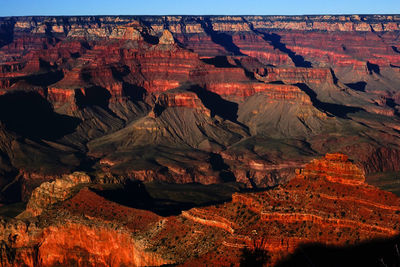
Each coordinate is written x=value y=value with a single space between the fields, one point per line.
x=200 y=140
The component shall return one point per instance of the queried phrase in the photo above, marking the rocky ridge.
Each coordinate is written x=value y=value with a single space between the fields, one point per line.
x=50 y=193
x=265 y=93
x=323 y=208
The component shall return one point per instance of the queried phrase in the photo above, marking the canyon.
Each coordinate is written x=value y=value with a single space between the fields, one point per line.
x=328 y=202
x=300 y=112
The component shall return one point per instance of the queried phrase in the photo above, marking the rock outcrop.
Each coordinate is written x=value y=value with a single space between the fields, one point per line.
x=335 y=167
x=265 y=93
x=166 y=38
x=319 y=206
x=50 y=193
x=196 y=99
x=86 y=229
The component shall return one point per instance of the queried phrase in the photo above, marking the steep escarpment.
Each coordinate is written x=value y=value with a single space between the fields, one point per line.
x=328 y=203
x=159 y=98
x=74 y=243
x=48 y=194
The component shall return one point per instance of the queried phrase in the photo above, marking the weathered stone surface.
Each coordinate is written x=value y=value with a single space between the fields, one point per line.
x=89 y=230
x=50 y=193
x=166 y=38
x=266 y=93
x=336 y=168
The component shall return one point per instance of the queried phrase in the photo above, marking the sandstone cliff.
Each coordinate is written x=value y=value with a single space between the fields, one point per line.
x=122 y=95
x=319 y=206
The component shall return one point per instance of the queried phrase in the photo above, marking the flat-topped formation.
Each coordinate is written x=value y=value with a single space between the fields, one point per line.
x=335 y=167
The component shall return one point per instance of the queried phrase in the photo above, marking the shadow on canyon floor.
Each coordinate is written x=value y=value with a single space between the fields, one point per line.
x=223 y=39
x=336 y=110
x=44 y=79
x=219 y=62
x=169 y=199
x=216 y=104
x=6 y=33
x=255 y=256
x=93 y=96
x=379 y=252
x=133 y=92
x=358 y=86
x=31 y=115
x=373 y=68
x=275 y=40
x=12 y=210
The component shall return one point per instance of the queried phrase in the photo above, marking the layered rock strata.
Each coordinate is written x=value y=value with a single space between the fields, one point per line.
x=265 y=93
x=319 y=206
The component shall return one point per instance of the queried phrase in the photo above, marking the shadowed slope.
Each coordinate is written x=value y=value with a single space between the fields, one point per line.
x=380 y=252
x=256 y=101
x=29 y=114
x=223 y=39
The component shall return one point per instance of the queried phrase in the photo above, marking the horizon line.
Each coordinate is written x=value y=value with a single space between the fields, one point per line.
x=205 y=15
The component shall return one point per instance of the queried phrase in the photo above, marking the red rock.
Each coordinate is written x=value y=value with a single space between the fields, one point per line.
x=271 y=220
x=182 y=99
x=49 y=193
x=60 y=97
x=335 y=168
x=166 y=38
x=276 y=92
x=113 y=75
x=298 y=75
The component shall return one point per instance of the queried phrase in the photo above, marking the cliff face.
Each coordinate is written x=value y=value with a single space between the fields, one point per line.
x=49 y=193
x=74 y=243
x=154 y=98
x=335 y=168
x=327 y=203
x=319 y=206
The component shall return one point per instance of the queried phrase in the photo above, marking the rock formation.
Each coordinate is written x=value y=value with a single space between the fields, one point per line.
x=334 y=167
x=50 y=193
x=157 y=98
x=166 y=38
x=86 y=229
x=318 y=206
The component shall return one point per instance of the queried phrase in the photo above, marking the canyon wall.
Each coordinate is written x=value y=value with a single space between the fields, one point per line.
x=322 y=205
x=161 y=98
